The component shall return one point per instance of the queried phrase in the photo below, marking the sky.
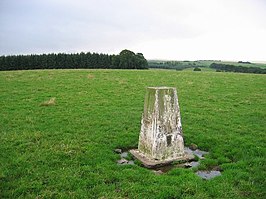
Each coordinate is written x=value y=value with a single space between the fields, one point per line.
x=160 y=29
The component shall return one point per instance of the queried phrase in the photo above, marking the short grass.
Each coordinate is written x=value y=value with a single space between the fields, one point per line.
x=203 y=69
x=64 y=149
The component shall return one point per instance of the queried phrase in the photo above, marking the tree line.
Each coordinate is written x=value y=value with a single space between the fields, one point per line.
x=176 y=65
x=126 y=59
x=238 y=69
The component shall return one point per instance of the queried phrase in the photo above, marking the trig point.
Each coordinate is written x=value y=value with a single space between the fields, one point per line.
x=161 y=139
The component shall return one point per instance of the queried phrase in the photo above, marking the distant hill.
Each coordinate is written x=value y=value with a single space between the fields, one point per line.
x=180 y=65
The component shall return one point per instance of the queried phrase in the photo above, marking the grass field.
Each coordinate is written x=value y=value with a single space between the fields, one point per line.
x=58 y=130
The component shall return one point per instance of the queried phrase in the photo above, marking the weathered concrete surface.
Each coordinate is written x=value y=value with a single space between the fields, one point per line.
x=161 y=139
x=152 y=163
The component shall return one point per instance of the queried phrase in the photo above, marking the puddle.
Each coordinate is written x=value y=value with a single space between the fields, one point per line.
x=199 y=153
x=207 y=175
x=191 y=164
x=123 y=156
x=124 y=160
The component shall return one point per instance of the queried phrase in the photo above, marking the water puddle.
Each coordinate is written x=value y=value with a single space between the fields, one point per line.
x=191 y=164
x=199 y=153
x=207 y=175
x=125 y=159
x=124 y=155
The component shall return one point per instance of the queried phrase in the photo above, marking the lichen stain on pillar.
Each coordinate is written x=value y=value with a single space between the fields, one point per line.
x=161 y=132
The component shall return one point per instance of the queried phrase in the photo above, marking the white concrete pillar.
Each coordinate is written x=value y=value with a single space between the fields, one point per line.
x=161 y=131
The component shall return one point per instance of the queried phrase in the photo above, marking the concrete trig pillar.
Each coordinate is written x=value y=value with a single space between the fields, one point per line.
x=161 y=139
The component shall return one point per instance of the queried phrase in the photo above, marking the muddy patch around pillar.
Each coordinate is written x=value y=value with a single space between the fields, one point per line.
x=127 y=159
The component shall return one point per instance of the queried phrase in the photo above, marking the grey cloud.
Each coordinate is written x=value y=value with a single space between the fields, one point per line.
x=31 y=26
x=93 y=24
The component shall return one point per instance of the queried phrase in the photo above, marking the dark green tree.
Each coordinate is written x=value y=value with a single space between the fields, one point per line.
x=125 y=60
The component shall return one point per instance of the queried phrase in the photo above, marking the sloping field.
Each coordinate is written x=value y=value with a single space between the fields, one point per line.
x=58 y=130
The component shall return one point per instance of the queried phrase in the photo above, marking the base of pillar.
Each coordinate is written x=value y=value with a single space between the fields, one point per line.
x=150 y=163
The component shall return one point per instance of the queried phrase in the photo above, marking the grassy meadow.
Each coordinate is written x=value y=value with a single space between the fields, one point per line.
x=59 y=128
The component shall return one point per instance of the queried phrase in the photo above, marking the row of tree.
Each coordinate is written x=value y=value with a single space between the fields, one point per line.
x=176 y=65
x=238 y=69
x=125 y=60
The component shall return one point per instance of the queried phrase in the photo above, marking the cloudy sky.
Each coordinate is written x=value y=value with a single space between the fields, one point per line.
x=160 y=29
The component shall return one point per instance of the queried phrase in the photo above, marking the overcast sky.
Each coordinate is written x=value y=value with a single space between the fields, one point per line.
x=160 y=29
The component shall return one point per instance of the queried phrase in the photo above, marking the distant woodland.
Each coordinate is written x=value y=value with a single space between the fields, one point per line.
x=176 y=65
x=125 y=60
x=238 y=69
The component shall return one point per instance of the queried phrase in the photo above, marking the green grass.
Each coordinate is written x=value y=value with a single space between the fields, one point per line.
x=64 y=149
x=203 y=69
